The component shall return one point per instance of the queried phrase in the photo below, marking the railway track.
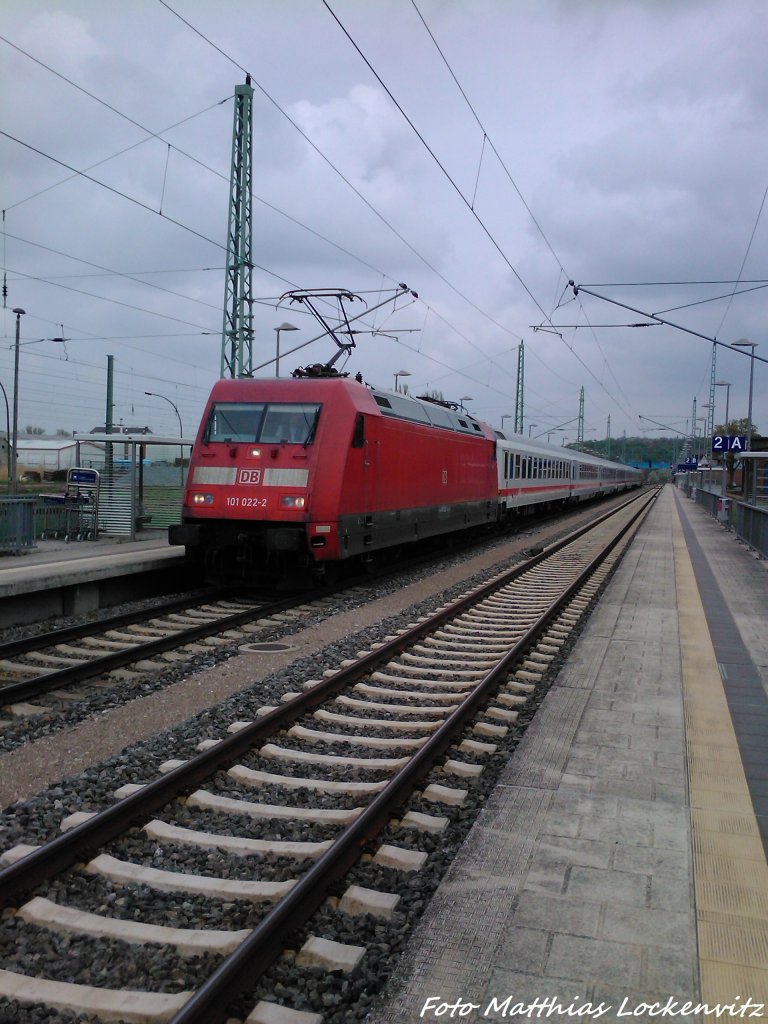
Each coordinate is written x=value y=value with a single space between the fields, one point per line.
x=236 y=848
x=48 y=663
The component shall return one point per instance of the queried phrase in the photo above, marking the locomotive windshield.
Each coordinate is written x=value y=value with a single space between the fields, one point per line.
x=268 y=423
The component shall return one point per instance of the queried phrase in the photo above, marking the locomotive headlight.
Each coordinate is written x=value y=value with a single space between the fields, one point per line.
x=293 y=501
x=254 y=453
x=202 y=499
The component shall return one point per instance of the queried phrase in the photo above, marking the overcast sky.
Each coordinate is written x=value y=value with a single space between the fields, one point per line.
x=619 y=144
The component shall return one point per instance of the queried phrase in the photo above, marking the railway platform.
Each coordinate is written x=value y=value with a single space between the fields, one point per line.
x=59 y=578
x=618 y=870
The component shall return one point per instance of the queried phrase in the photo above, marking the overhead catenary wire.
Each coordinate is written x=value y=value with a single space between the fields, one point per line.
x=78 y=173
x=563 y=273
x=436 y=159
x=727 y=309
x=583 y=346
x=255 y=82
x=156 y=135
x=668 y=323
x=486 y=138
x=343 y=177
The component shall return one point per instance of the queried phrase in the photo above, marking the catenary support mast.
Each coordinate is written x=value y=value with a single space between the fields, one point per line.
x=520 y=393
x=237 y=332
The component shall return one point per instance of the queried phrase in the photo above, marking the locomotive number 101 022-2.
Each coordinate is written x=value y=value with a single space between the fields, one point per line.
x=246 y=502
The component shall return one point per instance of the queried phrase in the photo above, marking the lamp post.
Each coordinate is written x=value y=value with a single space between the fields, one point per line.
x=13 y=483
x=7 y=431
x=725 y=384
x=530 y=427
x=282 y=327
x=401 y=373
x=153 y=394
x=752 y=345
x=743 y=343
x=506 y=416
x=463 y=399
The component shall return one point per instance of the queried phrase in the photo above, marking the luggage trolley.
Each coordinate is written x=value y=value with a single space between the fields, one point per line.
x=81 y=503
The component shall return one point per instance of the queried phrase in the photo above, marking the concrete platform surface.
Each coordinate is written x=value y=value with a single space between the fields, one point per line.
x=54 y=562
x=618 y=870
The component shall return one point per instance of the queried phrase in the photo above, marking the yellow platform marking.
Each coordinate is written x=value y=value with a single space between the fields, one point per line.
x=730 y=869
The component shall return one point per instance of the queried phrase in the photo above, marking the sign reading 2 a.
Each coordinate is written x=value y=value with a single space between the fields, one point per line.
x=729 y=443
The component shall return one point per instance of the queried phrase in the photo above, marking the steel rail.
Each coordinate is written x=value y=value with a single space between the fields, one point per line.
x=248 y=962
x=59 y=853
x=26 y=688
x=66 y=633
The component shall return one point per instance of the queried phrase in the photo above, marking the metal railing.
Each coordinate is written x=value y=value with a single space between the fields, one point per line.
x=17 y=532
x=747 y=520
x=752 y=526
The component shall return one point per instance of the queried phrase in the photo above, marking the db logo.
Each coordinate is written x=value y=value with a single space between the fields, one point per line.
x=249 y=476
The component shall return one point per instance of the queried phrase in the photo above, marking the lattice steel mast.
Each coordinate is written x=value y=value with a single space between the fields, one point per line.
x=520 y=393
x=237 y=332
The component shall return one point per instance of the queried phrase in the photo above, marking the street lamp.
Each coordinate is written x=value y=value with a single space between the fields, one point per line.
x=152 y=394
x=506 y=416
x=743 y=343
x=530 y=427
x=402 y=373
x=725 y=384
x=282 y=327
x=463 y=399
x=551 y=432
x=752 y=345
x=723 y=459
x=13 y=483
x=7 y=431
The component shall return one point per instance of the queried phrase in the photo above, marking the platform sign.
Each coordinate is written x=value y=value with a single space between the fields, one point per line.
x=688 y=466
x=729 y=443
x=83 y=476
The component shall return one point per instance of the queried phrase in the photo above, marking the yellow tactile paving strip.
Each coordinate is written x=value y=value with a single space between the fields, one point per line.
x=730 y=869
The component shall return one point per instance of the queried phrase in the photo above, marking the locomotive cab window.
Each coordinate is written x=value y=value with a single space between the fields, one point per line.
x=249 y=422
x=234 y=421
x=289 y=424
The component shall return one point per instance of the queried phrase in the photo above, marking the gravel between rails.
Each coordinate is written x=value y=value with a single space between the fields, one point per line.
x=346 y=627
x=232 y=690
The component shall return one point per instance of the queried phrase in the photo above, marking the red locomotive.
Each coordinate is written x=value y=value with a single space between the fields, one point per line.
x=308 y=473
